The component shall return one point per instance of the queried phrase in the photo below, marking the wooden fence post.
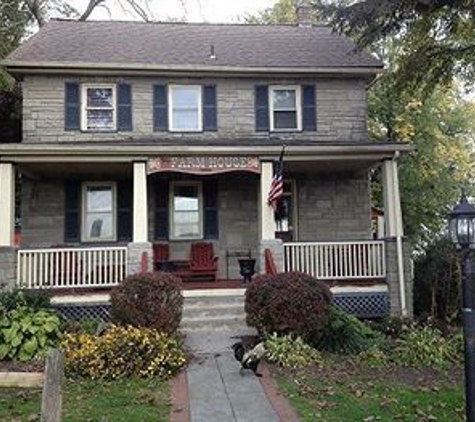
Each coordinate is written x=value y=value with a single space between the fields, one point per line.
x=51 y=397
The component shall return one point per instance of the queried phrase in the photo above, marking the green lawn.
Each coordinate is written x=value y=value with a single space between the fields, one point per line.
x=121 y=401
x=359 y=399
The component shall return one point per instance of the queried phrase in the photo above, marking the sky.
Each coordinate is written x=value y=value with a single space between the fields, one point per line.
x=191 y=10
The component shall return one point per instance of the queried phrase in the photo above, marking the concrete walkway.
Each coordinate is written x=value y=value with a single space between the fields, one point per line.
x=217 y=392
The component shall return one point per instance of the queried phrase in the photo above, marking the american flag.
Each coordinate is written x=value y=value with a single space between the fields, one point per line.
x=277 y=186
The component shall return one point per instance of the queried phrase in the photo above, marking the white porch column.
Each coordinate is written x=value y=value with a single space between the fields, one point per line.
x=266 y=222
x=7 y=204
x=393 y=220
x=140 y=227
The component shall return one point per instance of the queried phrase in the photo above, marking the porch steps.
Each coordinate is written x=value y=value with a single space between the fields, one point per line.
x=215 y=314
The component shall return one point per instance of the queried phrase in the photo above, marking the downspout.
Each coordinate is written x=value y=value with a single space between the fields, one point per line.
x=399 y=234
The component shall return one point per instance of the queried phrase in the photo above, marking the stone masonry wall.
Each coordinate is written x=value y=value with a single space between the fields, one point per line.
x=42 y=213
x=333 y=207
x=8 y=260
x=341 y=110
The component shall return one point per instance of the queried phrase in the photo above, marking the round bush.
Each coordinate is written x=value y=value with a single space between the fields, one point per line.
x=287 y=303
x=152 y=300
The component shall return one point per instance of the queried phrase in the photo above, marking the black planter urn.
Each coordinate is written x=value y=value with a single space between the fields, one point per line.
x=247 y=268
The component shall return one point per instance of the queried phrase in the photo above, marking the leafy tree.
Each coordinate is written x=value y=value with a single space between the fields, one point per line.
x=437 y=36
x=440 y=125
x=283 y=12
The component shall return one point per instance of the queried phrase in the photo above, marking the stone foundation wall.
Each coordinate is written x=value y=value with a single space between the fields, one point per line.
x=8 y=267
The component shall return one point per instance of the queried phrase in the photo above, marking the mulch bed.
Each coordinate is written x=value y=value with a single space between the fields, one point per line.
x=13 y=366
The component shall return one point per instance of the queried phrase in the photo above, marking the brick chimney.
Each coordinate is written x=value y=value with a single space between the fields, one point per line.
x=304 y=14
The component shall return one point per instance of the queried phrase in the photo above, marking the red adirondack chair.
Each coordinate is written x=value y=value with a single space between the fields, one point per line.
x=161 y=255
x=202 y=260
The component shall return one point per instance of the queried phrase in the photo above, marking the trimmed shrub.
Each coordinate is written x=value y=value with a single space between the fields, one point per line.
x=26 y=333
x=345 y=334
x=152 y=300
x=287 y=303
x=122 y=352
x=427 y=347
x=291 y=352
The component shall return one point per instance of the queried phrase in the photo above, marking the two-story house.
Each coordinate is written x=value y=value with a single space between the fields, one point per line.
x=143 y=134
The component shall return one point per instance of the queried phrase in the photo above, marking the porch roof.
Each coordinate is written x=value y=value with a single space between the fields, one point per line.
x=141 y=151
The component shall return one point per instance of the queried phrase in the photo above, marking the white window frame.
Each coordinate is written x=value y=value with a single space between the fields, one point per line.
x=199 y=88
x=84 y=107
x=298 y=106
x=84 y=235
x=199 y=185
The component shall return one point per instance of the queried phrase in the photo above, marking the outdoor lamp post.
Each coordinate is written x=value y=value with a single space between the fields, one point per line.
x=461 y=231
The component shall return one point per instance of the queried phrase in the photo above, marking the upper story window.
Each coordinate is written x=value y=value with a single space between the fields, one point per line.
x=99 y=212
x=185 y=108
x=98 y=107
x=284 y=108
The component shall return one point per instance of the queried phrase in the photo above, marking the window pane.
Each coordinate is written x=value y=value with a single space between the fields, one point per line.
x=186 y=217
x=285 y=120
x=99 y=226
x=100 y=119
x=284 y=99
x=185 y=97
x=99 y=199
x=185 y=119
x=186 y=230
x=99 y=97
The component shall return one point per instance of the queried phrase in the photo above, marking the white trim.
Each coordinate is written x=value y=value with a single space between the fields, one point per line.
x=84 y=237
x=377 y=288
x=7 y=204
x=298 y=107
x=199 y=88
x=84 y=107
x=199 y=185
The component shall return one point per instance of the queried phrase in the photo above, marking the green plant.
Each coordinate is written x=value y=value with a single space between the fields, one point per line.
x=345 y=334
x=291 y=352
x=152 y=300
x=288 y=303
x=121 y=352
x=426 y=347
x=392 y=327
x=374 y=357
x=86 y=325
x=27 y=334
x=34 y=299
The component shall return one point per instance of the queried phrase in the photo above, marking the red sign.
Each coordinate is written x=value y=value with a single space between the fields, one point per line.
x=206 y=164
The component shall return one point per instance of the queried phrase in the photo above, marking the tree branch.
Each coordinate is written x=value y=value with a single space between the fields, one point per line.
x=90 y=8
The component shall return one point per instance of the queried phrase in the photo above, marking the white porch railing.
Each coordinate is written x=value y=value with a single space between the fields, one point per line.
x=337 y=260
x=71 y=267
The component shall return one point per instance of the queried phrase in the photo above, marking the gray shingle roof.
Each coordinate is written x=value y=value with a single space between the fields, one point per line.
x=179 y=45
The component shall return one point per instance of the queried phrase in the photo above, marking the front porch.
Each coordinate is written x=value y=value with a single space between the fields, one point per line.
x=327 y=230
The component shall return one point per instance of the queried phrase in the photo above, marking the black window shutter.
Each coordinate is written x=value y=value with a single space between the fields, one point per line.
x=160 y=107
x=124 y=211
x=72 y=223
x=210 y=195
x=72 y=106
x=210 y=117
x=161 y=210
x=262 y=108
x=309 y=112
x=124 y=107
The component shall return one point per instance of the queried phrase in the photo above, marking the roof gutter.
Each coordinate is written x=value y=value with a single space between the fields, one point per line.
x=23 y=67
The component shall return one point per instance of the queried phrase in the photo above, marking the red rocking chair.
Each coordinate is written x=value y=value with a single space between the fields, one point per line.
x=203 y=263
